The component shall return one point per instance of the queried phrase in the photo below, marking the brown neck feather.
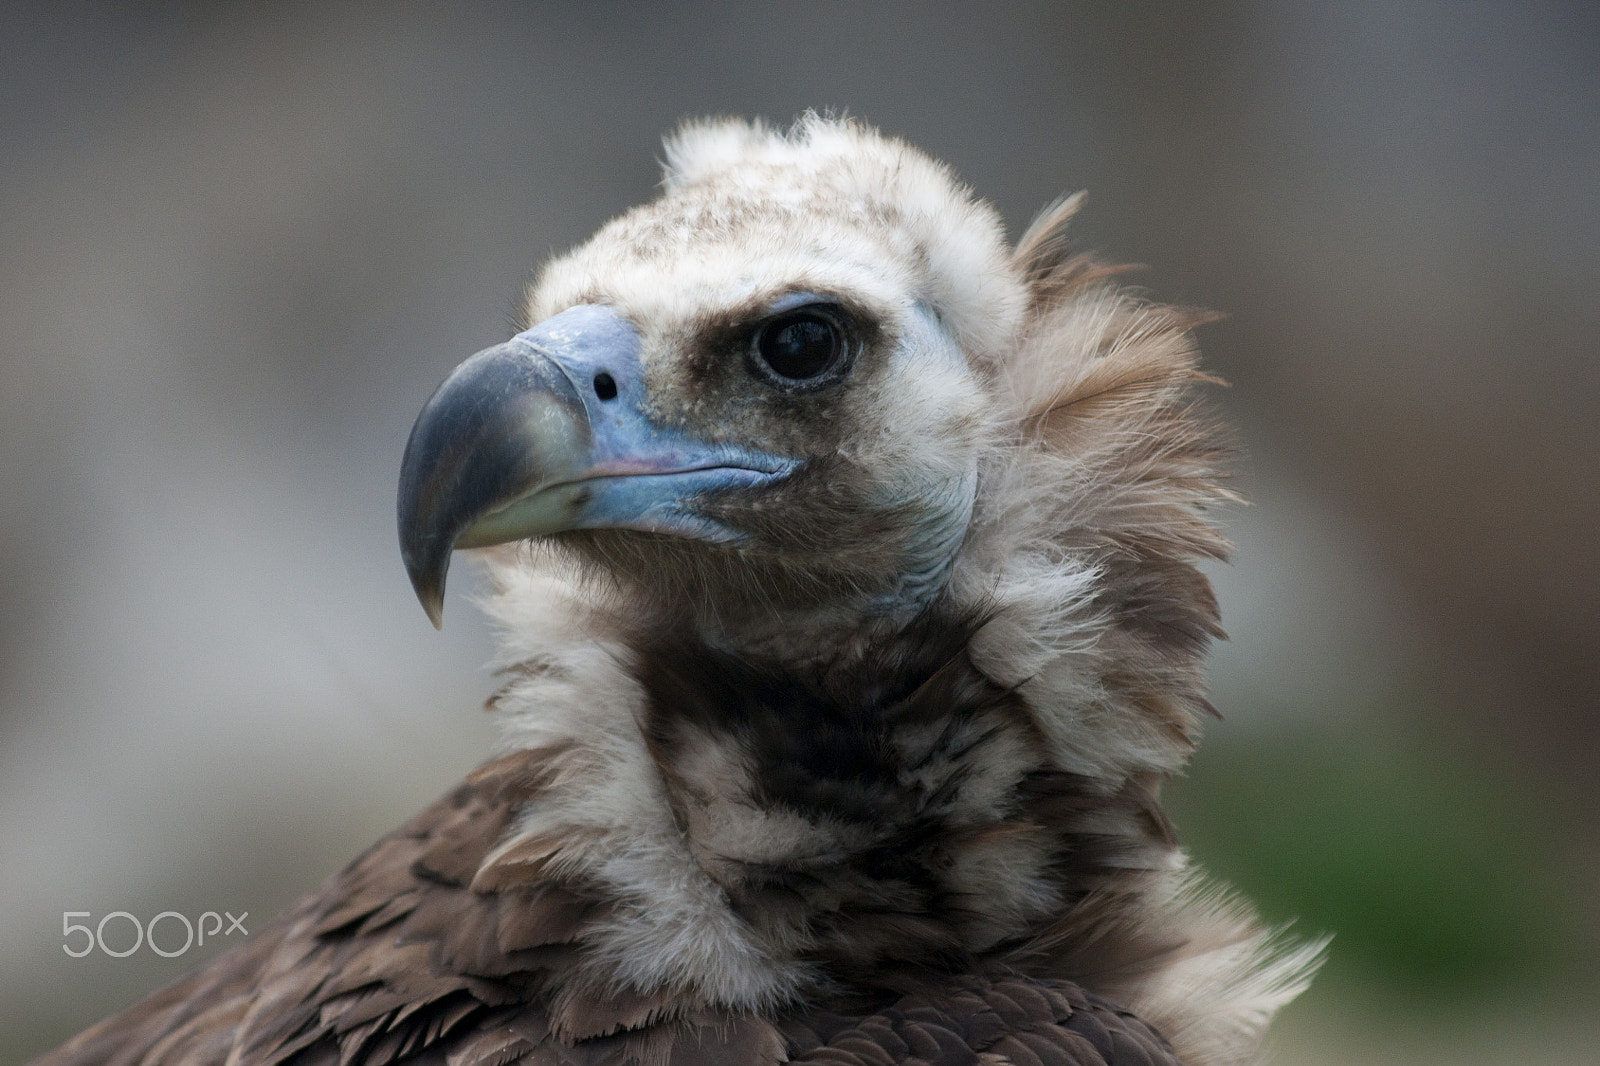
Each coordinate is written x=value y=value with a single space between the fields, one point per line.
x=892 y=810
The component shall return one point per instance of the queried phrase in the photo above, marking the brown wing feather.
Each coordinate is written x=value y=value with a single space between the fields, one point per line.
x=400 y=959
x=390 y=956
x=973 y=1020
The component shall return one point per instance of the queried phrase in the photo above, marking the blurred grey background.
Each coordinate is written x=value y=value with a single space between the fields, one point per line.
x=239 y=245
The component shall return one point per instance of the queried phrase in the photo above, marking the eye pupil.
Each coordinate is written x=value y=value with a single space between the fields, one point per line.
x=799 y=347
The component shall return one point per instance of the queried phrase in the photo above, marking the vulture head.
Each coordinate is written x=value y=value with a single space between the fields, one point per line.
x=761 y=400
x=845 y=559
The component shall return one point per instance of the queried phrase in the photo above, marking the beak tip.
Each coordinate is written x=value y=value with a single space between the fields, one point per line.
x=428 y=583
x=434 y=606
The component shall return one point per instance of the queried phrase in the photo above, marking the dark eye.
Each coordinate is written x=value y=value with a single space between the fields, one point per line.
x=801 y=346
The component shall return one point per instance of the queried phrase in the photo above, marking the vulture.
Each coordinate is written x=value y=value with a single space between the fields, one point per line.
x=845 y=560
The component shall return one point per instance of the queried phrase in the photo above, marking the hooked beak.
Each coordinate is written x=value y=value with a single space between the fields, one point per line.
x=548 y=432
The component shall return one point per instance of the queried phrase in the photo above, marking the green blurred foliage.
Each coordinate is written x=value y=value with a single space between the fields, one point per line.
x=1438 y=880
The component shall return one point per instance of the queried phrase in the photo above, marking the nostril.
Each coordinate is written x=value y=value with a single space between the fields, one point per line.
x=605 y=386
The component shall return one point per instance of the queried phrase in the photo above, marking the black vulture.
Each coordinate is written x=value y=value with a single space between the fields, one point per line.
x=845 y=559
